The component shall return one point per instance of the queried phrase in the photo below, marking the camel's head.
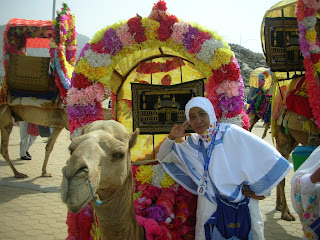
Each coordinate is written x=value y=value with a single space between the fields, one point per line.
x=100 y=158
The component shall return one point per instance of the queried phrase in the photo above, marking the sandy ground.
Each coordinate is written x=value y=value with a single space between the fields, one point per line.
x=31 y=208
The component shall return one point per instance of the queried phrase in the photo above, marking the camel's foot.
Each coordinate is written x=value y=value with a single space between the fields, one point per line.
x=20 y=175
x=287 y=216
x=45 y=174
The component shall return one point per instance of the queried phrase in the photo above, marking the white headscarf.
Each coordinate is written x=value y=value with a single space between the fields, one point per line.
x=203 y=103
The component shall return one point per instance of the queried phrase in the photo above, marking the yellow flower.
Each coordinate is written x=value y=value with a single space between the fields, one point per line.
x=144 y=174
x=151 y=28
x=221 y=57
x=317 y=67
x=93 y=74
x=311 y=35
x=167 y=181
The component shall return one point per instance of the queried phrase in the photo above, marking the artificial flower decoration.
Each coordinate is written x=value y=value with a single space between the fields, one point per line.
x=310 y=48
x=209 y=53
x=64 y=48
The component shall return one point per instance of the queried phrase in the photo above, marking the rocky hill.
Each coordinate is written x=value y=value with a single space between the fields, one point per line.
x=247 y=59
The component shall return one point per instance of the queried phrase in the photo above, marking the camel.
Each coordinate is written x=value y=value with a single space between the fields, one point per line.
x=286 y=142
x=53 y=117
x=100 y=166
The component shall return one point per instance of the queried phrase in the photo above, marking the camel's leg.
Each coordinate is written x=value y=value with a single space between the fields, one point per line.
x=253 y=120
x=5 y=135
x=266 y=127
x=52 y=140
x=285 y=212
x=285 y=144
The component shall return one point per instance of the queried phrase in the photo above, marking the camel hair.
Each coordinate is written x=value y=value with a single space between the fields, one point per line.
x=100 y=165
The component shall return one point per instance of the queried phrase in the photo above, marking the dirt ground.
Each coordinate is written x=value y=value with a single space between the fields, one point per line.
x=31 y=208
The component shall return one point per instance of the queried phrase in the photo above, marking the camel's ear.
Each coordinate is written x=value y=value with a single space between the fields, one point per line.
x=84 y=129
x=134 y=138
x=75 y=142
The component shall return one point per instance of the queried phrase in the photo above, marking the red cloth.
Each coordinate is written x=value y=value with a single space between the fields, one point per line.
x=38 y=43
x=298 y=100
x=33 y=129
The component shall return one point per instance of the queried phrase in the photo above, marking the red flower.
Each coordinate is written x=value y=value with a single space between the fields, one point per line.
x=99 y=47
x=315 y=58
x=80 y=81
x=161 y=5
x=165 y=28
x=136 y=29
x=199 y=39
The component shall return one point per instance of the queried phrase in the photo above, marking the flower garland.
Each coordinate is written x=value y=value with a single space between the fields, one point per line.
x=63 y=48
x=160 y=203
x=207 y=50
x=310 y=48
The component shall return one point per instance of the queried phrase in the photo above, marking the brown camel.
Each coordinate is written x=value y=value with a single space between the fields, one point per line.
x=286 y=142
x=254 y=119
x=100 y=165
x=53 y=117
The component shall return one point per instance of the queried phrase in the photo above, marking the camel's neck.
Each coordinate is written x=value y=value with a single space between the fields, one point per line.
x=116 y=215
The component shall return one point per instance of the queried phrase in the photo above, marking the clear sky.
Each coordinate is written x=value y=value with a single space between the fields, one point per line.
x=237 y=21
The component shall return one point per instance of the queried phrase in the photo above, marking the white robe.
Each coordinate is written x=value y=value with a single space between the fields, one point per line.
x=239 y=157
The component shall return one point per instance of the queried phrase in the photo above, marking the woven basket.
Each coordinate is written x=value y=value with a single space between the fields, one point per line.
x=28 y=73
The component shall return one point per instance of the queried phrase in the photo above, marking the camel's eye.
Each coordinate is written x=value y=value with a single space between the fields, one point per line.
x=82 y=172
x=117 y=155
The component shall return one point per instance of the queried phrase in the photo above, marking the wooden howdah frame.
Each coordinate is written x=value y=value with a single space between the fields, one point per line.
x=156 y=108
x=282 y=46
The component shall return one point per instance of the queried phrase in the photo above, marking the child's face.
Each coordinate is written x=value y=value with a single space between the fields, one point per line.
x=199 y=120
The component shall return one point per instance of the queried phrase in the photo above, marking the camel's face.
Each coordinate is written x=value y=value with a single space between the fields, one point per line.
x=101 y=157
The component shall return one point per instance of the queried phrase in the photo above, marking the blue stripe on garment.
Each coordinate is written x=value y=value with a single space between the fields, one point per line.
x=191 y=143
x=272 y=176
x=315 y=226
x=185 y=159
x=183 y=179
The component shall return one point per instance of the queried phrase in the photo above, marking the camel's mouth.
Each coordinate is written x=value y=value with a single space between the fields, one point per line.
x=78 y=207
x=75 y=194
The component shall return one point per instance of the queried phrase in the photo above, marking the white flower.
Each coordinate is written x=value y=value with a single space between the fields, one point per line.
x=158 y=176
x=309 y=21
x=97 y=59
x=208 y=49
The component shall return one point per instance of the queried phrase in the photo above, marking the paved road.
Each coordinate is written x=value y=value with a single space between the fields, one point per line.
x=31 y=208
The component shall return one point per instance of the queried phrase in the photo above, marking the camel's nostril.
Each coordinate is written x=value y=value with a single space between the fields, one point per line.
x=82 y=172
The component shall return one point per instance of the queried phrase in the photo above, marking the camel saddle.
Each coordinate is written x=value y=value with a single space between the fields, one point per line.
x=298 y=122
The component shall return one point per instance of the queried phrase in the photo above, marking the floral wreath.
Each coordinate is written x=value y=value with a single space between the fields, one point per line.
x=207 y=50
x=64 y=48
x=309 y=45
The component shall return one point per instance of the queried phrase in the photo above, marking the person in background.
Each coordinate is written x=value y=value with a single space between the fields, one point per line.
x=26 y=140
x=223 y=164
x=305 y=194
